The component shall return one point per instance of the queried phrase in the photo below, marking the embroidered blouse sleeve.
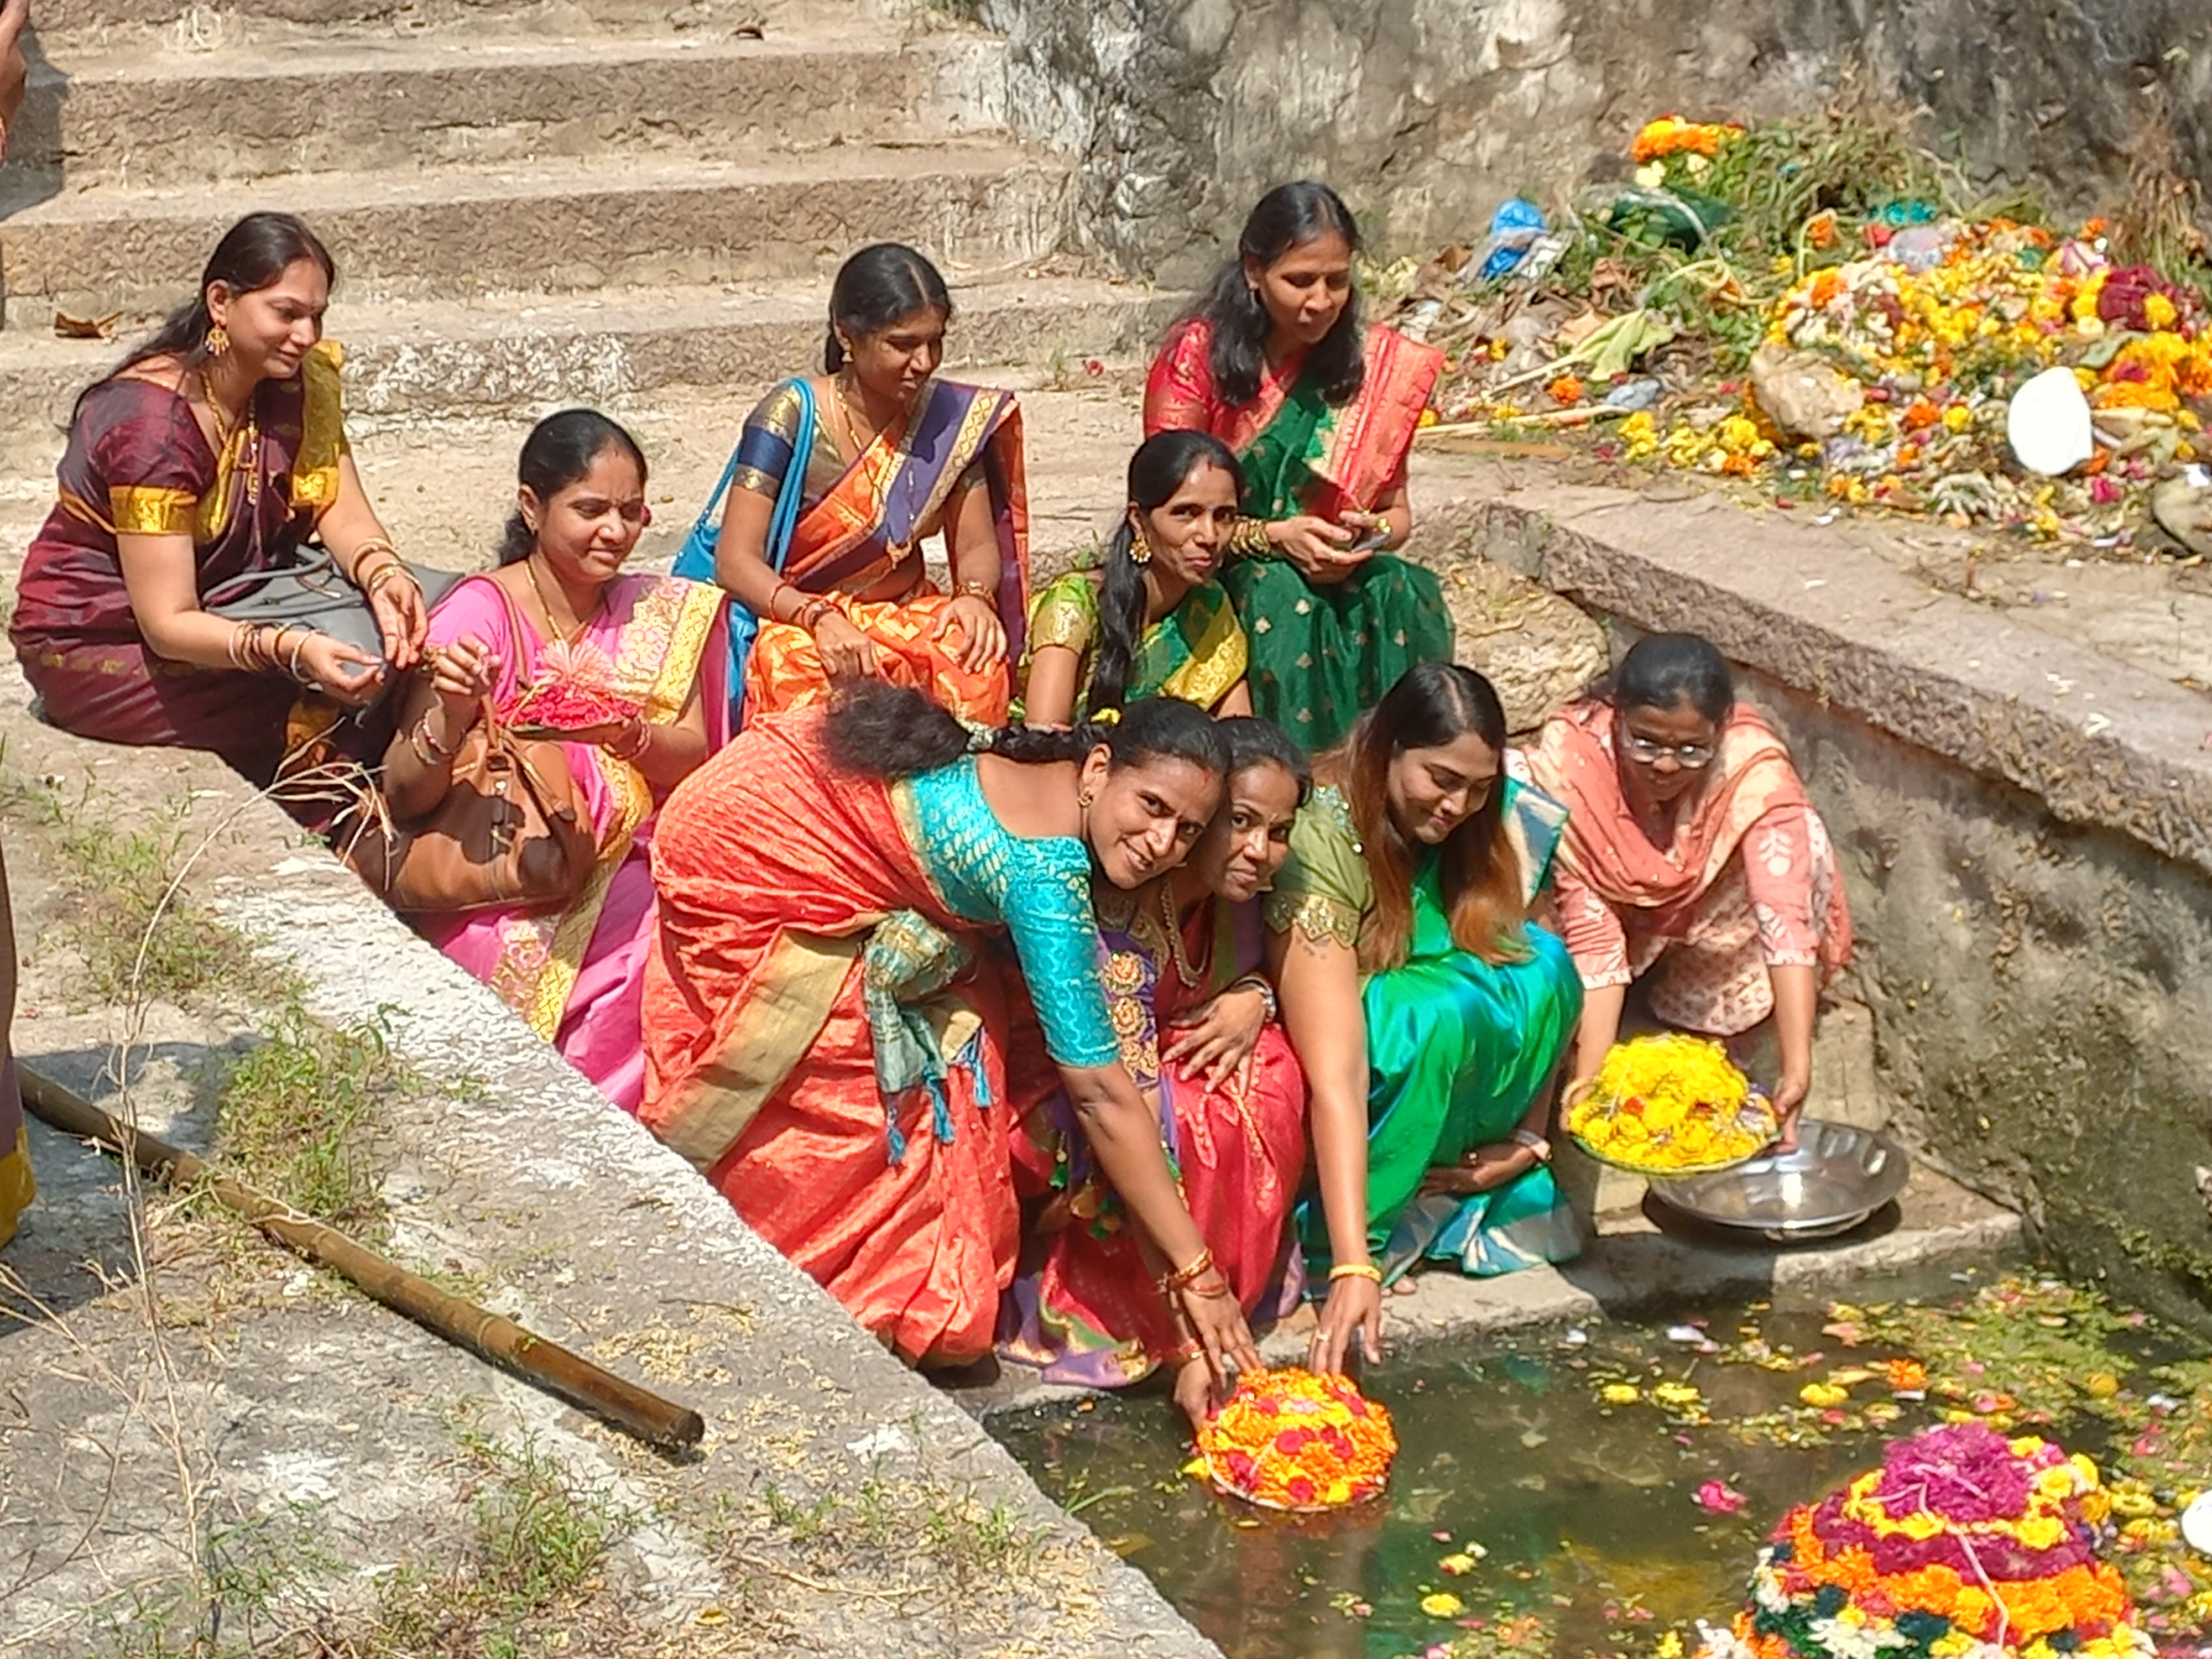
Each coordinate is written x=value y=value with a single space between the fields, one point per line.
x=765 y=445
x=1065 y=613
x=1325 y=888
x=149 y=459
x=1592 y=929
x=1179 y=391
x=1048 y=913
x=1777 y=872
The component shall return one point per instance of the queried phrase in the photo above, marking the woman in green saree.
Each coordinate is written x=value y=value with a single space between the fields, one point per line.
x=1321 y=413
x=1430 y=1014
x=1150 y=621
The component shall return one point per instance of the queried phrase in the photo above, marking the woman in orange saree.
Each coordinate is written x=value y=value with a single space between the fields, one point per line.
x=825 y=1022
x=1320 y=415
x=1194 y=1019
x=1693 y=863
x=889 y=456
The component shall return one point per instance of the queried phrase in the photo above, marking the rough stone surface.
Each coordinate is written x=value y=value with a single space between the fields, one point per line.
x=2023 y=829
x=1430 y=112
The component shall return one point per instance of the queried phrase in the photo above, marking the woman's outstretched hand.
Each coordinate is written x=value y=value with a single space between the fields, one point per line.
x=1354 y=1307
x=1209 y=1309
x=1216 y=1038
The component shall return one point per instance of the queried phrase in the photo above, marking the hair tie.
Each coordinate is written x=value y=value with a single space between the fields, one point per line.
x=1108 y=716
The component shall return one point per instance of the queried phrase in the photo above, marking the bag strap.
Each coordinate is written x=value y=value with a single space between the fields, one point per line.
x=790 y=495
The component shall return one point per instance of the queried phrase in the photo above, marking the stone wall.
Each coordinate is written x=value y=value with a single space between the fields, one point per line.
x=2026 y=835
x=1428 y=112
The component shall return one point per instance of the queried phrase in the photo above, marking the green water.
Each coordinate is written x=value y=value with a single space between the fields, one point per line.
x=1593 y=1539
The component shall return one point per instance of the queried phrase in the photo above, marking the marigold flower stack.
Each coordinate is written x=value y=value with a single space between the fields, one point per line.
x=1963 y=1545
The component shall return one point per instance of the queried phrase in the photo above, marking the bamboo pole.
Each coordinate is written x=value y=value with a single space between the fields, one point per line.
x=489 y=1336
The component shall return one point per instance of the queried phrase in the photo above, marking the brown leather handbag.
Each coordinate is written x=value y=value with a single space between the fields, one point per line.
x=510 y=833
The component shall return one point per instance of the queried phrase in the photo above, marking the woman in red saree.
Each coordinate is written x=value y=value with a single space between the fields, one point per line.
x=1322 y=415
x=561 y=609
x=1194 y=1019
x=824 y=1025
x=216 y=449
x=1693 y=865
x=889 y=455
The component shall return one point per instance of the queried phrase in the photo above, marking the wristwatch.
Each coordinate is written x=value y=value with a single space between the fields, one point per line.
x=1536 y=1143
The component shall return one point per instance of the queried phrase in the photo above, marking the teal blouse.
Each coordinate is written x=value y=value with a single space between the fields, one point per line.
x=1039 y=890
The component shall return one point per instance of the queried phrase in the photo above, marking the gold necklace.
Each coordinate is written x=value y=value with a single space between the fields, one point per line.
x=1173 y=923
x=249 y=454
x=530 y=570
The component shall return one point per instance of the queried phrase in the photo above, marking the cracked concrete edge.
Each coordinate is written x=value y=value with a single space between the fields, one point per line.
x=2102 y=744
x=540 y=1125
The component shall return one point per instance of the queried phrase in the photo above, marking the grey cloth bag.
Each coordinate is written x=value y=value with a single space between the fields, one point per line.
x=315 y=593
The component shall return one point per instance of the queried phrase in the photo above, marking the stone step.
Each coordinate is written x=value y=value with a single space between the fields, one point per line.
x=216 y=24
x=525 y=355
x=568 y=225
x=146 y=117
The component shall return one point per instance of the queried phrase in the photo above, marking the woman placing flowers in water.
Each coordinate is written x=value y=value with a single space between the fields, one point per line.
x=1694 y=865
x=892 y=456
x=1321 y=413
x=824 y=1030
x=1151 y=621
x=1196 y=1026
x=560 y=608
x=215 y=451
x=1429 y=1013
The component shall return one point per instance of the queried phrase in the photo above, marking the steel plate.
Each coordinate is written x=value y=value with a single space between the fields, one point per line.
x=1836 y=1178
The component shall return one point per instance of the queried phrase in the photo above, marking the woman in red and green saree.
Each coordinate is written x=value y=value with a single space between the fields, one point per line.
x=216 y=449
x=1150 y=621
x=1179 y=957
x=1321 y=413
x=560 y=608
x=1430 y=1015
x=892 y=456
x=826 y=1016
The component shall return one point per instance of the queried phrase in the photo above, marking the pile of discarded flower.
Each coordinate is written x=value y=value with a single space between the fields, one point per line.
x=1895 y=356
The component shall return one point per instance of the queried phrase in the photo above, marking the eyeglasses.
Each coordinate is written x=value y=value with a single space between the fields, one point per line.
x=1690 y=756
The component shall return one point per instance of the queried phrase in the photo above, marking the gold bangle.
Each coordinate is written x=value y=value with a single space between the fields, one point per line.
x=1184 y=1278
x=975 y=591
x=1366 y=1270
x=630 y=751
x=1249 y=538
x=385 y=574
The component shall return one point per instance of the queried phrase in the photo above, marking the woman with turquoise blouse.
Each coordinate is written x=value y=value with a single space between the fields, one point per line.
x=1429 y=1013
x=825 y=1015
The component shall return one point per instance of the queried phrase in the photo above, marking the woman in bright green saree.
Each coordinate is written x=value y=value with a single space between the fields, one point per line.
x=1151 y=620
x=1321 y=413
x=1430 y=1014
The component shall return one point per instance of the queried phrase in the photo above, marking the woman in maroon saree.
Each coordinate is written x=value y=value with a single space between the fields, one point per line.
x=217 y=449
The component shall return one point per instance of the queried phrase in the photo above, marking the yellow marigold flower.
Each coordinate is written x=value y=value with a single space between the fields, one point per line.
x=1429 y=417
x=1677 y=1393
x=1620 y=1393
x=1958 y=417
x=1823 y=1395
x=1670 y=1646
x=1443 y=1605
x=2158 y=311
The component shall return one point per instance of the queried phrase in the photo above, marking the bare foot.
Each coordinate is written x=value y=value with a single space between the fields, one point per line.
x=1404 y=1286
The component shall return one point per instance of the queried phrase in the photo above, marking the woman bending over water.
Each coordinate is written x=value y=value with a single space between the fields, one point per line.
x=1195 y=1017
x=889 y=455
x=1321 y=413
x=560 y=602
x=825 y=1023
x=216 y=449
x=1693 y=867
x=1430 y=1015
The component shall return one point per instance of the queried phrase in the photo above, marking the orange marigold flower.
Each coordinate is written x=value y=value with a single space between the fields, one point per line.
x=1565 y=390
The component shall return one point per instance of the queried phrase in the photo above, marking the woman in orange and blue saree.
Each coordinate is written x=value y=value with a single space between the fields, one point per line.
x=838 y=480
x=1320 y=415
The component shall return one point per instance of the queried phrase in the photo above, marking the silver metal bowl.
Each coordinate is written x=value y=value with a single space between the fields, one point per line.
x=1835 y=1180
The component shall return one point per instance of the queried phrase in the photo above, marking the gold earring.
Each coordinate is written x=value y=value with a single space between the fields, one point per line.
x=1083 y=798
x=218 y=340
x=1140 y=550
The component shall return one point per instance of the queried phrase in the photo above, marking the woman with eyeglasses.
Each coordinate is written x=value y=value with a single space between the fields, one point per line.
x=1693 y=867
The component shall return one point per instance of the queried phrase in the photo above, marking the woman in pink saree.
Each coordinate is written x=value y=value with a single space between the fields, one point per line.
x=559 y=607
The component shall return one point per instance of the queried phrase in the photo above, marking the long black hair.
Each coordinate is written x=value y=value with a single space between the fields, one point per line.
x=1164 y=463
x=1665 y=671
x=884 y=730
x=1286 y=217
x=881 y=283
x=560 y=449
x=253 y=253
x=1255 y=742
